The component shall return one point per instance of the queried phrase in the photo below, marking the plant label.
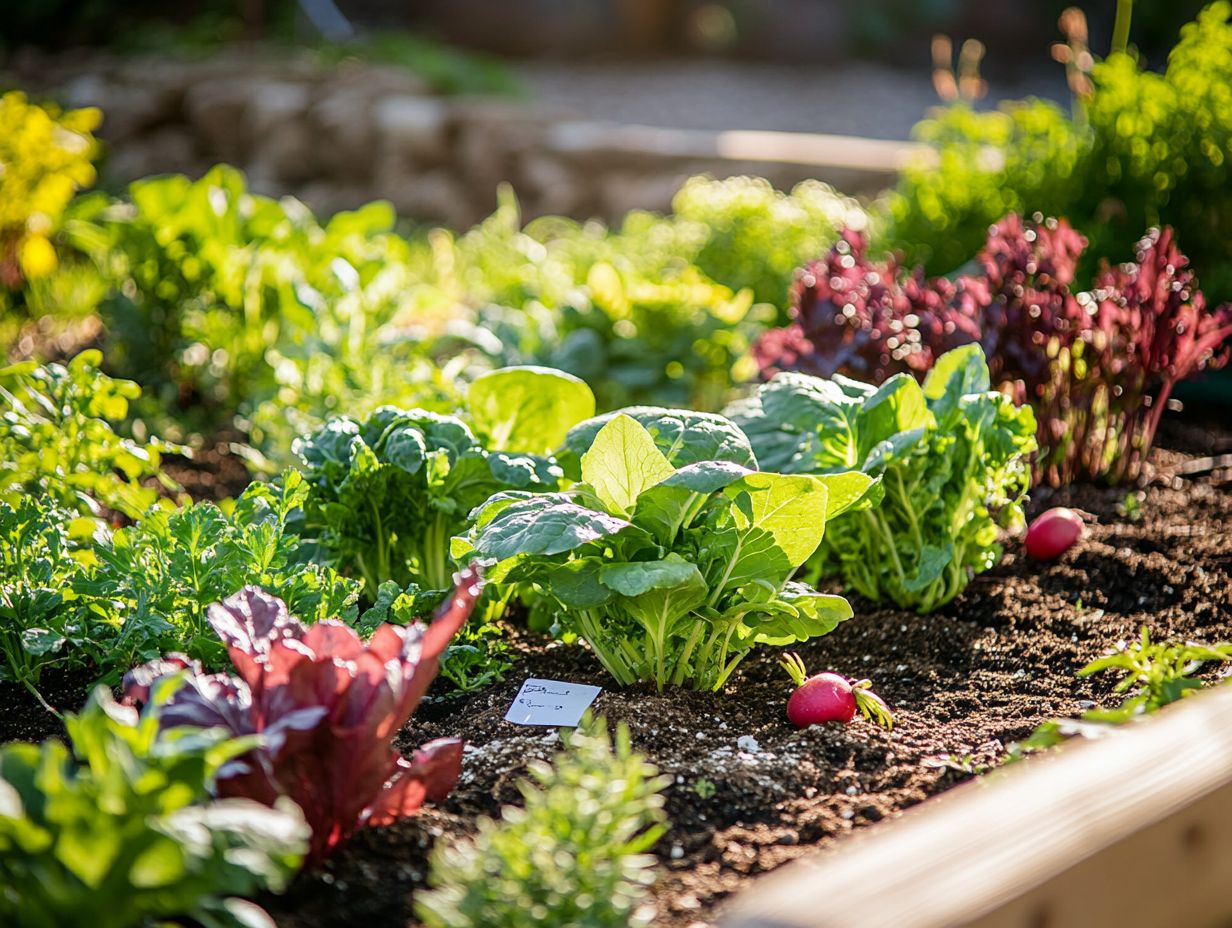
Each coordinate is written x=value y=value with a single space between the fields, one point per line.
x=551 y=702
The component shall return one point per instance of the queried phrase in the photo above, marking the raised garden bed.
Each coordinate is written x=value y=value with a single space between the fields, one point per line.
x=964 y=682
x=750 y=792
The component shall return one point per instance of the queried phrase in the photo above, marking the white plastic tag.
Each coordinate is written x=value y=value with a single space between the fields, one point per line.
x=551 y=702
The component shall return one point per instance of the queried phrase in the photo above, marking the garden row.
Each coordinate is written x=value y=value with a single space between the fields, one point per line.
x=550 y=439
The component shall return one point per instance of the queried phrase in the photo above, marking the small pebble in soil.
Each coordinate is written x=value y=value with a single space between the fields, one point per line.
x=677 y=852
x=851 y=791
x=848 y=814
x=748 y=744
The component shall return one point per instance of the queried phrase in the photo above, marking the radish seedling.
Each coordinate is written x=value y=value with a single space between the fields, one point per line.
x=829 y=697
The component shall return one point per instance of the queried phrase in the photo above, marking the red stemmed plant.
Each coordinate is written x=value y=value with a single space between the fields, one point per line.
x=868 y=320
x=1098 y=366
x=327 y=706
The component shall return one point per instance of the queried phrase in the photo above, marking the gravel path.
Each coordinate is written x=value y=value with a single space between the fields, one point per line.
x=855 y=99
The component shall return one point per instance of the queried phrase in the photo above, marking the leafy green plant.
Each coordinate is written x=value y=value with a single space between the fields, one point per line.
x=573 y=854
x=672 y=566
x=704 y=788
x=238 y=303
x=388 y=493
x=1156 y=674
x=625 y=309
x=109 y=600
x=39 y=626
x=58 y=438
x=947 y=464
x=1142 y=149
x=752 y=236
x=121 y=831
x=152 y=583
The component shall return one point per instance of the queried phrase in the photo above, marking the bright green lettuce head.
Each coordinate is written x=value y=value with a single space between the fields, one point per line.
x=671 y=559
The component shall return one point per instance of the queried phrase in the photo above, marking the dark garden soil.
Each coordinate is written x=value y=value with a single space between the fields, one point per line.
x=964 y=682
x=213 y=471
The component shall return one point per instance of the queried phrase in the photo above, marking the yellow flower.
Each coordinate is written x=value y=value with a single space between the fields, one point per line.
x=36 y=256
x=45 y=158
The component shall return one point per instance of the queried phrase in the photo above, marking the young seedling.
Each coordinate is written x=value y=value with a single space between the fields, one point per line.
x=829 y=697
x=704 y=788
x=1156 y=674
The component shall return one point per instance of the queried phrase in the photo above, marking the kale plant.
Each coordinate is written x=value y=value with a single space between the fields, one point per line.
x=388 y=493
x=949 y=461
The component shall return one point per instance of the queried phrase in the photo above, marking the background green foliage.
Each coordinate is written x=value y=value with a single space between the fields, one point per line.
x=1142 y=149
x=234 y=303
x=750 y=235
x=58 y=439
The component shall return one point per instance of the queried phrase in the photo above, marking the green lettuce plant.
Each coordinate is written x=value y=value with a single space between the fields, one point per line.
x=671 y=572
x=120 y=831
x=573 y=854
x=948 y=464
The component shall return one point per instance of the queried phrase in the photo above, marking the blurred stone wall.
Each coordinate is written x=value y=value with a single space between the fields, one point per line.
x=338 y=137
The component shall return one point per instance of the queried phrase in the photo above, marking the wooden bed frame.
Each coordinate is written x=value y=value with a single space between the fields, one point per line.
x=1131 y=831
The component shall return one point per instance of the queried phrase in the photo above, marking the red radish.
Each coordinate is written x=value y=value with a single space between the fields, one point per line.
x=828 y=697
x=1053 y=533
